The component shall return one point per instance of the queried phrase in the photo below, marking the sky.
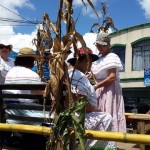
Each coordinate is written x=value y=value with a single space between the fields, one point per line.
x=17 y=18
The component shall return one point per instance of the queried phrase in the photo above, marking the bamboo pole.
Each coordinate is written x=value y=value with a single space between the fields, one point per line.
x=26 y=128
x=89 y=134
x=129 y=114
x=118 y=136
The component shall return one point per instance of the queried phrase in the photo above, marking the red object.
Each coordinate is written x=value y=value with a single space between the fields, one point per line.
x=81 y=51
x=129 y=119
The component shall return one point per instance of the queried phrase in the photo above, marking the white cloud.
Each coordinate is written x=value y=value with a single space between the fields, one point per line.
x=19 y=40
x=87 y=11
x=9 y=9
x=77 y=3
x=145 y=6
x=7 y=34
x=23 y=3
x=90 y=39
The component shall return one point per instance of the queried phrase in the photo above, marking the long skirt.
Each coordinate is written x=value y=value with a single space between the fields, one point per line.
x=110 y=100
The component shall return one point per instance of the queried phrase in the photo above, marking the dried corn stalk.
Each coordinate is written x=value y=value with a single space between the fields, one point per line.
x=59 y=83
x=107 y=21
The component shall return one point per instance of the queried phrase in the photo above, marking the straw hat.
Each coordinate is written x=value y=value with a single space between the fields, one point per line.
x=27 y=52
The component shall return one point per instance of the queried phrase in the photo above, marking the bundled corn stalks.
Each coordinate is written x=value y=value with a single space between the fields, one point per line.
x=58 y=87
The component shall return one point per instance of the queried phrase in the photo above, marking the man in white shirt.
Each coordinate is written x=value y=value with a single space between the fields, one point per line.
x=22 y=73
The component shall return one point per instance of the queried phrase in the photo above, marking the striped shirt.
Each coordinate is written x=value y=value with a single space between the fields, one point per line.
x=81 y=85
x=21 y=75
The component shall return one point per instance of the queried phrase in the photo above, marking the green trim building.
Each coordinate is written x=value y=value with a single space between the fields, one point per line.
x=133 y=47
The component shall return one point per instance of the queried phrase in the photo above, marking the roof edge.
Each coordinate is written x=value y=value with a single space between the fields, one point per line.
x=129 y=29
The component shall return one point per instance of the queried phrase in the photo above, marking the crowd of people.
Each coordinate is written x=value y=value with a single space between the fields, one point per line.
x=105 y=104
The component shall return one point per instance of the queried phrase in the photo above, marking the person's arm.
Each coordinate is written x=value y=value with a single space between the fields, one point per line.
x=90 y=108
x=111 y=78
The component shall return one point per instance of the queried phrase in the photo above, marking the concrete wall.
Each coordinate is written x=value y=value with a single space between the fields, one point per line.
x=126 y=37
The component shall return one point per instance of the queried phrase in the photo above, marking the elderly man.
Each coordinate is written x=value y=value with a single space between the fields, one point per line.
x=80 y=85
x=22 y=73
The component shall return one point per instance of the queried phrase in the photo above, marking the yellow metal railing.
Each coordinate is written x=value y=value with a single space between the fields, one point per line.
x=90 y=134
x=118 y=136
x=26 y=128
x=129 y=114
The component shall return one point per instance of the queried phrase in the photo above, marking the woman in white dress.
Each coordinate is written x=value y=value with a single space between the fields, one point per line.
x=109 y=92
x=6 y=63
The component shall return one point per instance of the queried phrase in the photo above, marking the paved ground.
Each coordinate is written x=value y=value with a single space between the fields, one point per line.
x=130 y=146
x=127 y=146
x=10 y=148
x=121 y=146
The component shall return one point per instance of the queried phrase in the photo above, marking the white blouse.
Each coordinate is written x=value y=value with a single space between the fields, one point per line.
x=21 y=75
x=5 y=66
x=100 y=67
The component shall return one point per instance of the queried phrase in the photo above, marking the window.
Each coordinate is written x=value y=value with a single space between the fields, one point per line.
x=141 y=55
x=120 y=51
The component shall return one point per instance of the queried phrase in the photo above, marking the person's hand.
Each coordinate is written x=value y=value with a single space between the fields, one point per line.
x=95 y=86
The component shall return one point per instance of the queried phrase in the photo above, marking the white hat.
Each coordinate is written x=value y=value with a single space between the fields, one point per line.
x=103 y=38
x=4 y=43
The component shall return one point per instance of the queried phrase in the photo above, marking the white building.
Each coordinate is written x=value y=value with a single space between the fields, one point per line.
x=133 y=47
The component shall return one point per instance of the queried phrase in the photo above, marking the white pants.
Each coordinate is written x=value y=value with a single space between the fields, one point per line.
x=100 y=121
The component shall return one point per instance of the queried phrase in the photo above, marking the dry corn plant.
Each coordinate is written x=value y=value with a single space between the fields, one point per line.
x=107 y=21
x=58 y=87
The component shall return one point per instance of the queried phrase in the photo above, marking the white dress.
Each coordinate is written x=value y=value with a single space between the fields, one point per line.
x=110 y=98
x=94 y=120
x=5 y=66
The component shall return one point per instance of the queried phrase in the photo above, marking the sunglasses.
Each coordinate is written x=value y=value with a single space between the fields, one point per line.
x=99 y=45
x=4 y=46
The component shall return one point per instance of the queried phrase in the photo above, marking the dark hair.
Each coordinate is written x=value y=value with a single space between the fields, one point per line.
x=6 y=46
x=73 y=61
x=83 y=57
x=24 y=62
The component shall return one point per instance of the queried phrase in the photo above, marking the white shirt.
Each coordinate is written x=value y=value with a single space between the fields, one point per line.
x=5 y=66
x=81 y=85
x=100 y=67
x=21 y=75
